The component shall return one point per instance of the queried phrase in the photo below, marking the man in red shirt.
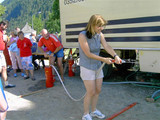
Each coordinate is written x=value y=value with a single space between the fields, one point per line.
x=54 y=49
x=24 y=44
x=3 y=71
x=3 y=67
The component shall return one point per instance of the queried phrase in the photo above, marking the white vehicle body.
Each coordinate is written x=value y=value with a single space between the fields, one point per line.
x=132 y=25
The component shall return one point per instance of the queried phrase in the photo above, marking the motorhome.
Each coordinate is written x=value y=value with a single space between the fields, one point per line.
x=133 y=27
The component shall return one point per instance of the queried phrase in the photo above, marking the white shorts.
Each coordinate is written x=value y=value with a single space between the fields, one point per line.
x=2 y=60
x=87 y=74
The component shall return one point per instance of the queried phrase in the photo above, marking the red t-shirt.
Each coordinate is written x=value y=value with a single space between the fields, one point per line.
x=25 y=47
x=2 y=43
x=52 y=43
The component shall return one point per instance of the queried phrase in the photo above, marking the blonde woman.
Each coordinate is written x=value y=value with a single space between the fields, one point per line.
x=14 y=53
x=90 y=41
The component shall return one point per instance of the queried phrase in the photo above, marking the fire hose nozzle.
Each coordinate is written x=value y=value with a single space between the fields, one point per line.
x=122 y=61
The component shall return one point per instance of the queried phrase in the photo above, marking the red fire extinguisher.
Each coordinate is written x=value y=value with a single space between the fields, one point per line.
x=49 y=77
x=70 y=70
x=70 y=63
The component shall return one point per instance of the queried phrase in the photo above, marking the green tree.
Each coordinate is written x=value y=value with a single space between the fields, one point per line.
x=55 y=10
x=2 y=10
x=19 y=12
x=37 y=23
x=53 y=24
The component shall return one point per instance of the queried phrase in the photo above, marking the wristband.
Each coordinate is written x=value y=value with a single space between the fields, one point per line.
x=115 y=56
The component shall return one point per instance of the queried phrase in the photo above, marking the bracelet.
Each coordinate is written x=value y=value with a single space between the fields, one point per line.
x=115 y=56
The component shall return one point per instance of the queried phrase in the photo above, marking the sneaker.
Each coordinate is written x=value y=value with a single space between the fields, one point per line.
x=37 y=67
x=10 y=86
x=33 y=78
x=97 y=114
x=9 y=69
x=22 y=74
x=15 y=75
x=87 y=117
x=26 y=77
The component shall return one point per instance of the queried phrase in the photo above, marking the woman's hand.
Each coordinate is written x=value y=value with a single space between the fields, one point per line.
x=118 y=60
x=107 y=60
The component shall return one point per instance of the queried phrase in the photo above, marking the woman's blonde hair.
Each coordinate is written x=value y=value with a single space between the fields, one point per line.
x=94 y=20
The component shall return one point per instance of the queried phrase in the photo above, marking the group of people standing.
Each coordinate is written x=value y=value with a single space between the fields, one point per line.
x=90 y=41
x=20 y=49
x=18 y=52
x=14 y=53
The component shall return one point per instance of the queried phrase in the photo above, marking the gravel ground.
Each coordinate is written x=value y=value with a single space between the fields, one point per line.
x=54 y=104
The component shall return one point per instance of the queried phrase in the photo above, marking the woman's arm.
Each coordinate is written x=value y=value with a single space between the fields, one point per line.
x=9 y=42
x=110 y=50
x=84 y=45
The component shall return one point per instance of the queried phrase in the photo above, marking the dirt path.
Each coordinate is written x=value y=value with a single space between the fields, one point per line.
x=54 y=104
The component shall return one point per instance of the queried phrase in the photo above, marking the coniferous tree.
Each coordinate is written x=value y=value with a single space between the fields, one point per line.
x=2 y=10
x=53 y=24
x=19 y=12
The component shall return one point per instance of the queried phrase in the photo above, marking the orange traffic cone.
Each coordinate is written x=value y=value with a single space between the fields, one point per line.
x=49 y=77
